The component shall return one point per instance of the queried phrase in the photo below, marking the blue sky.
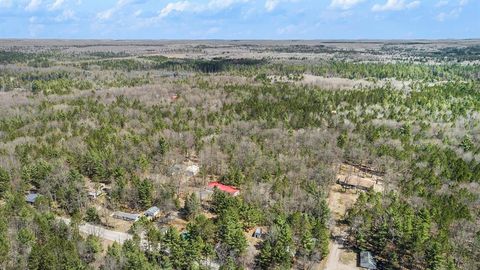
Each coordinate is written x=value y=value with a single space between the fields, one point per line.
x=240 y=19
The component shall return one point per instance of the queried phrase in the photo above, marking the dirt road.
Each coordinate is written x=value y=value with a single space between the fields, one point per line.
x=339 y=257
x=103 y=233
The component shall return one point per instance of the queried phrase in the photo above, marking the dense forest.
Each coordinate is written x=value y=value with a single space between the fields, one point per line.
x=124 y=119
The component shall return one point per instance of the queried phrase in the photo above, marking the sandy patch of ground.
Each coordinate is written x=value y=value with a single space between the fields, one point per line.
x=339 y=256
x=339 y=200
x=337 y=83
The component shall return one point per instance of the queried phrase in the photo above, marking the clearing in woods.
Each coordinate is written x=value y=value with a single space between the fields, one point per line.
x=341 y=257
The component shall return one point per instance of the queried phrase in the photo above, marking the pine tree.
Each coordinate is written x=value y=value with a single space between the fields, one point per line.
x=265 y=256
x=145 y=193
x=281 y=242
x=4 y=181
x=192 y=206
x=4 y=241
x=231 y=231
x=322 y=234
x=434 y=257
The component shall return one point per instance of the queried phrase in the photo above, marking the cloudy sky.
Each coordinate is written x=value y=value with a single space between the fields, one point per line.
x=240 y=19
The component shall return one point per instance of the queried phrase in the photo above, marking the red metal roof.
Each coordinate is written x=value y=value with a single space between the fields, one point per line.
x=224 y=188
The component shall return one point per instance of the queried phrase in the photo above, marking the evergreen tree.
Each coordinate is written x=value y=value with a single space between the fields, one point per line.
x=4 y=181
x=192 y=206
x=278 y=247
x=265 y=256
x=434 y=257
x=145 y=193
x=231 y=232
x=4 y=240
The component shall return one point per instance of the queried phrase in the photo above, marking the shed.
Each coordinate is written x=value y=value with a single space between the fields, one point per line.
x=126 y=216
x=354 y=181
x=152 y=212
x=205 y=194
x=31 y=198
x=192 y=170
x=257 y=233
x=367 y=261
x=228 y=189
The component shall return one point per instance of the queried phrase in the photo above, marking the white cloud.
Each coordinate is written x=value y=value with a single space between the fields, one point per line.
x=5 y=3
x=105 y=15
x=33 y=5
x=220 y=4
x=186 y=6
x=344 y=4
x=66 y=16
x=137 y=13
x=441 y=3
x=270 y=5
x=108 y=14
x=395 y=5
x=177 y=6
x=453 y=13
x=56 y=4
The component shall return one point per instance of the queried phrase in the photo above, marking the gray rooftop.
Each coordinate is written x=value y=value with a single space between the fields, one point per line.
x=124 y=215
x=31 y=198
x=152 y=211
x=367 y=261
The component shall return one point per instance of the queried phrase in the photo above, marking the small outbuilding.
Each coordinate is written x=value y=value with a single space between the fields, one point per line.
x=205 y=194
x=353 y=181
x=257 y=233
x=192 y=170
x=126 y=216
x=31 y=198
x=367 y=261
x=152 y=212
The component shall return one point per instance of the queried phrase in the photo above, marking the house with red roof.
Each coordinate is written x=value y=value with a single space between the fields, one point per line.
x=228 y=189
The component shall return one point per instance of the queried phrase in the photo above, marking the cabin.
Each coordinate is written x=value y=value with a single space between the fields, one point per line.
x=126 y=216
x=225 y=188
x=367 y=261
x=31 y=198
x=356 y=182
x=152 y=212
